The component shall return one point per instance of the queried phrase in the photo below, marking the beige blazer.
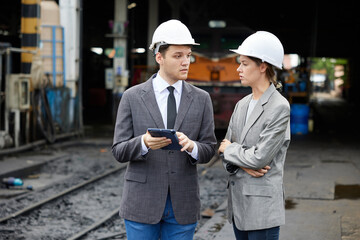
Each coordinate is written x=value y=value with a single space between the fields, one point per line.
x=258 y=203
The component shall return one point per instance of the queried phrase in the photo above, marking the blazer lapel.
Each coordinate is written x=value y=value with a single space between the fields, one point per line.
x=149 y=100
x=255 y=114
x=245 y=125
x=257 y=111
x=185 y=102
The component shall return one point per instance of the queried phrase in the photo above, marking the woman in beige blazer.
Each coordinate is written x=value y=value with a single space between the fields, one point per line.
x=257 y=139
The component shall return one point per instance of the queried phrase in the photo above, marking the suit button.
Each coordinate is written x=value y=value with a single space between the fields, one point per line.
x=232 y=183
x=171 y=152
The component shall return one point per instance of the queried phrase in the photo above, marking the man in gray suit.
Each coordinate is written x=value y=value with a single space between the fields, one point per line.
x=161 y=193
x=258 y=137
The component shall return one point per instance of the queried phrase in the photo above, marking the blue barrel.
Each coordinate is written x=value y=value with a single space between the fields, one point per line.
x=299 y=118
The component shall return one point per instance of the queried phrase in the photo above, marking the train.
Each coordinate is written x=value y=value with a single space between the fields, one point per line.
x=213 y=68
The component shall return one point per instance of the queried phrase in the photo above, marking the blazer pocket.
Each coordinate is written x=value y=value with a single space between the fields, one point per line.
x=135 y=177
x=258 y=190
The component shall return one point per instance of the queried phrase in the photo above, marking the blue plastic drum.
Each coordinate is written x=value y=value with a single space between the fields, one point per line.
x=299 y=118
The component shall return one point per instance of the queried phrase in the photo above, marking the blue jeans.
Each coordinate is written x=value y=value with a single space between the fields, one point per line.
x=263 y=234
x=167 y=229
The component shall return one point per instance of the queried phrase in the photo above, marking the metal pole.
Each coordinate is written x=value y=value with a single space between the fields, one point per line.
x=153 y=15
x=81 y=127
x=17 y=127
x=63 y=56
x=8 y=61
x=1 y=93
x=19 y=50
x=8 y=72
x=53 y=31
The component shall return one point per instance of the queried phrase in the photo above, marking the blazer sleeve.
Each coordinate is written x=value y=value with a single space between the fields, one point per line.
x=231 y=122
x=126 y=147
x=206 y=140
x=271 y=139
x=231 y=168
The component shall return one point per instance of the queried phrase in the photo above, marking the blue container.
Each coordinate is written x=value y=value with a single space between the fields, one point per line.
x=60 y=106
x=299 y=118
x=302 y=86
x=11 y=181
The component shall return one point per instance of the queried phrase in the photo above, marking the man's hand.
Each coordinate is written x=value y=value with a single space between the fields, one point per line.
x=185 y=142
x=256 y=173
x=155 y=142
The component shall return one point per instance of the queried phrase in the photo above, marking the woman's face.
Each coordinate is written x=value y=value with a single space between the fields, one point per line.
x=249 y=71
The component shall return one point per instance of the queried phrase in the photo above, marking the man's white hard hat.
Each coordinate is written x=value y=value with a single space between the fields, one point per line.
x=263 y=45
x=172 y=32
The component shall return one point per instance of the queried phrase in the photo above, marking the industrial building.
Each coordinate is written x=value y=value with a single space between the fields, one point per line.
x=64 y=65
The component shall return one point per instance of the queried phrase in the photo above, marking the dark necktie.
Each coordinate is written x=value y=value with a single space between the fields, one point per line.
x=171 y=108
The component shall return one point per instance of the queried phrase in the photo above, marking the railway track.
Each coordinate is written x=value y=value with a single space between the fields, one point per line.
x=59 y=195
x=89 y=209
x=68 y=213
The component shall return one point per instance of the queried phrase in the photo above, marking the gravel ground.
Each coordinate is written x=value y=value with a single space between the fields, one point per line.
x=85 y=162
x=69 y=215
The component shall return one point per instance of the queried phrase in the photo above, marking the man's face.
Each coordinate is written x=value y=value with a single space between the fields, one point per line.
x=174 y=64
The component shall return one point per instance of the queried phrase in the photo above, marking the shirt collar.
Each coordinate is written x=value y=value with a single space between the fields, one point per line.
x=160 y=84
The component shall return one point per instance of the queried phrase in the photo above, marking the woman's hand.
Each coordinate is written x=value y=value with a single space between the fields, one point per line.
x=256 y=173
x=223 y=145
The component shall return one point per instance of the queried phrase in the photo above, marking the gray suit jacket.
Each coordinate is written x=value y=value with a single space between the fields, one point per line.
x=258 y=203
x=149 y=178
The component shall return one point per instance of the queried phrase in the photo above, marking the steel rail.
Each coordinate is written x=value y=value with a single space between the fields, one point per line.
x=67 y=191
x=95 y=225
x=116 y=211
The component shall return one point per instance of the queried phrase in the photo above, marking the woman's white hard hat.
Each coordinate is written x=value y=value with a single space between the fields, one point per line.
x=172 y=32
x=263 y=45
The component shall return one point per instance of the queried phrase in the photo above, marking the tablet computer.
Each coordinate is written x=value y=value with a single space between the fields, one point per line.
x=168 y=133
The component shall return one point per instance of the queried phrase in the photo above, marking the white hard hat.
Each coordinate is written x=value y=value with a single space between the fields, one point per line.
x=263 y=45
x=171 y=32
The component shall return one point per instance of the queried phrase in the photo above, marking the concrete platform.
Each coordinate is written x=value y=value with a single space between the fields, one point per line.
x=316 y=170
x=25 y=165
x=18 y=166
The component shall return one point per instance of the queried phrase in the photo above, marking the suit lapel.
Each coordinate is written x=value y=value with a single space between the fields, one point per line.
x=185 y=102
x=149 y=100
x=257 y=111
x=255 y=114
x=244 y=125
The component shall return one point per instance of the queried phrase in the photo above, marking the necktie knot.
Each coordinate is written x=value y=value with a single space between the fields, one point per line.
x=171 y=89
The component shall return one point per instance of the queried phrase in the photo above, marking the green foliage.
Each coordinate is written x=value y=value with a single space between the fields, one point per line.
x=329 y=65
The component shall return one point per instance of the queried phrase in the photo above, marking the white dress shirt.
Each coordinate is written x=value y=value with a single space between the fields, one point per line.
x=161 y=95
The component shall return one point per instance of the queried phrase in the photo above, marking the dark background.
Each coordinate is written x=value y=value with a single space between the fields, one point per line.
x=307 y=28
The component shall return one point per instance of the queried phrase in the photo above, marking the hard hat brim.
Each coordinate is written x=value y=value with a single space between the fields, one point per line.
x=238 y=51
x=235 y=51
x=153 y=45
